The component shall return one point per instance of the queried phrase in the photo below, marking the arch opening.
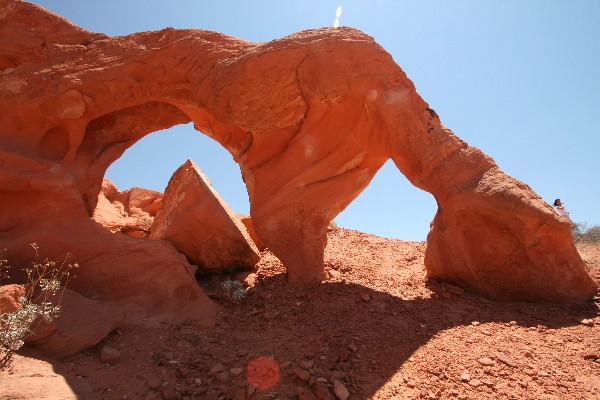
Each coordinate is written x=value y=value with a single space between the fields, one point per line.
x=151 y=161
x=140 y=176
x=390 y=206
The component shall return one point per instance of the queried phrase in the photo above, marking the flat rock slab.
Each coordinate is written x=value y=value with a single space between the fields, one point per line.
x=199 y=224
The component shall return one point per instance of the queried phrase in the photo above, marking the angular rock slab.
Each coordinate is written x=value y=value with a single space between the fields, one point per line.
x=195 y=219
x=149 y=279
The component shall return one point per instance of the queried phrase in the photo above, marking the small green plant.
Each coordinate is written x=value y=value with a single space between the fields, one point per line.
x=43 y=291
x=233 y=290
x=584 y=234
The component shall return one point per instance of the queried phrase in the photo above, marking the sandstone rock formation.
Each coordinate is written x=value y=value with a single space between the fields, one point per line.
x=247 y=221
x=81 y=324
x=310 y=118
x=199 y=224
x=130 y=212
x=10 y=298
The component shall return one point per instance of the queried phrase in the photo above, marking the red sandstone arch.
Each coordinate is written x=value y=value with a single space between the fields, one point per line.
x=310 y=118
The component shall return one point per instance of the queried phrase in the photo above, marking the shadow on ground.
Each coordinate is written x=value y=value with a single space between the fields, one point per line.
x=333 y=331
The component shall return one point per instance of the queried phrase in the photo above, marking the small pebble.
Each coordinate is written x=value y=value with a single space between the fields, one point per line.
x=506 y=359
x=485 y=361
x=465 y=376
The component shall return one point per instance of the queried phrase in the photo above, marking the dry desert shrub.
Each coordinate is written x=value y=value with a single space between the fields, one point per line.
x=43 y=290
x=233 y=290
x=584 y=234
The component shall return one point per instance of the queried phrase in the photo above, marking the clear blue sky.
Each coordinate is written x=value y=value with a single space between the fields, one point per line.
x=520 y=79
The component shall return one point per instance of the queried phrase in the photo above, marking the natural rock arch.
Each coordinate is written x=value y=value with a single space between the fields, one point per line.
x=310 y=118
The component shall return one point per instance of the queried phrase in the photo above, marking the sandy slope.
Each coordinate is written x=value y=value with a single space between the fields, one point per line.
x=375 y=328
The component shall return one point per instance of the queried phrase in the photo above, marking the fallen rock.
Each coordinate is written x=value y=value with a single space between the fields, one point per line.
x=302 y=374
x=485 y=361
x=81 y=324
x=475 y=383
x=340 y=390
x=155 y=383
x=506 y=359
x=110 y=356
x=10 y=298
x=218 y=369
x=465 y=376
x=200 y=225
x=222 y=377
x=321 y=391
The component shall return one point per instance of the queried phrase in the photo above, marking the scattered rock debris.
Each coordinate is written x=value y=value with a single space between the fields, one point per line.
x=378 y=330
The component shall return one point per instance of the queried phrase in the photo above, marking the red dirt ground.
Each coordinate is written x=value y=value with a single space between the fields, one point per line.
x=375 y=329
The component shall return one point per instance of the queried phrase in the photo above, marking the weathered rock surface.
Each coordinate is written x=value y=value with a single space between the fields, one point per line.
x=81 y=324
x=310 y=118
x=199 y=224
x=247 y=221
x=10 y=298
x=130 y=212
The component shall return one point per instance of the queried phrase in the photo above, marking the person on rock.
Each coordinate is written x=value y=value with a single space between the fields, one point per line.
x=560 y=210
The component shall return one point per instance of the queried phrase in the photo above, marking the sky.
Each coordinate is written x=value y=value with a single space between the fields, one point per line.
x=519 y=79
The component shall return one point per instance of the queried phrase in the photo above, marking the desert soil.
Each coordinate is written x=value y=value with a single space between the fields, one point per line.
x=375 y=329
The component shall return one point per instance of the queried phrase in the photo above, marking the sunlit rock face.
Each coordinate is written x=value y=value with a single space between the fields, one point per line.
x=130 y=212
x=310 y=118
x=195 y=219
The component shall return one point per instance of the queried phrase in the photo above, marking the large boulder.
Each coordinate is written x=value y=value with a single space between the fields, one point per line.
x=201 y=225
x=81 y=323
x=310 y=118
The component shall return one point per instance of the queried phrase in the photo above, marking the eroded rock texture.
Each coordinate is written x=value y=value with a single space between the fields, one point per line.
x=131 y=212
x=310 y=118
x=81 y=324
x=199 y=224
